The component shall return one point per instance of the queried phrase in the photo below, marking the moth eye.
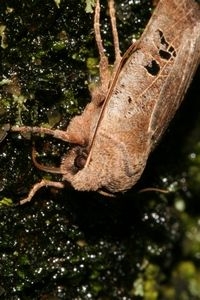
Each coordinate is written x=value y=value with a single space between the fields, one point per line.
x=80 y=161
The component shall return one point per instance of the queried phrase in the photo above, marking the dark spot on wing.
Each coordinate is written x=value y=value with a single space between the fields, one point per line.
x=153 y=68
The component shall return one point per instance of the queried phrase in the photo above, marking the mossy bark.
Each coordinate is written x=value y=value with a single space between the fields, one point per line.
x=71 y=245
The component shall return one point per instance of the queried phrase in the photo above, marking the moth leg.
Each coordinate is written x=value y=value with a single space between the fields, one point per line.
x=56 y=133
x=103 y=64
x=112 y=14
x=99 y=94
x=38 y=186
x=107 y=194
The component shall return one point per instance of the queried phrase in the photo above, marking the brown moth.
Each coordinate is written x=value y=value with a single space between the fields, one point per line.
x=131 y=109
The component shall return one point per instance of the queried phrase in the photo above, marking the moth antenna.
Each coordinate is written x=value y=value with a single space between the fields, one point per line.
x=38 y=186
x=112 y=13
x=42 y=167
x=103 y=64
x=154 y=190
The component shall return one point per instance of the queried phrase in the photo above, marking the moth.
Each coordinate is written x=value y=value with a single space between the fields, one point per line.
x=132 y=107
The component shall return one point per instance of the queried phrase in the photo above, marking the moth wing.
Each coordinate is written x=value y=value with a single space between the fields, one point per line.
x=177 y=83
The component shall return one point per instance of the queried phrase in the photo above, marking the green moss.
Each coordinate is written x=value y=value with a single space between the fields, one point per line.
x=147 y=284
x=194 y=166
x=89 y=6
x=187 y=275
x=6 y=202
x=191 y=241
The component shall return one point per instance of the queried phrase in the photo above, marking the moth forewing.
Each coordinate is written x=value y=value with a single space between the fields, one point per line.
x=177 y=83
